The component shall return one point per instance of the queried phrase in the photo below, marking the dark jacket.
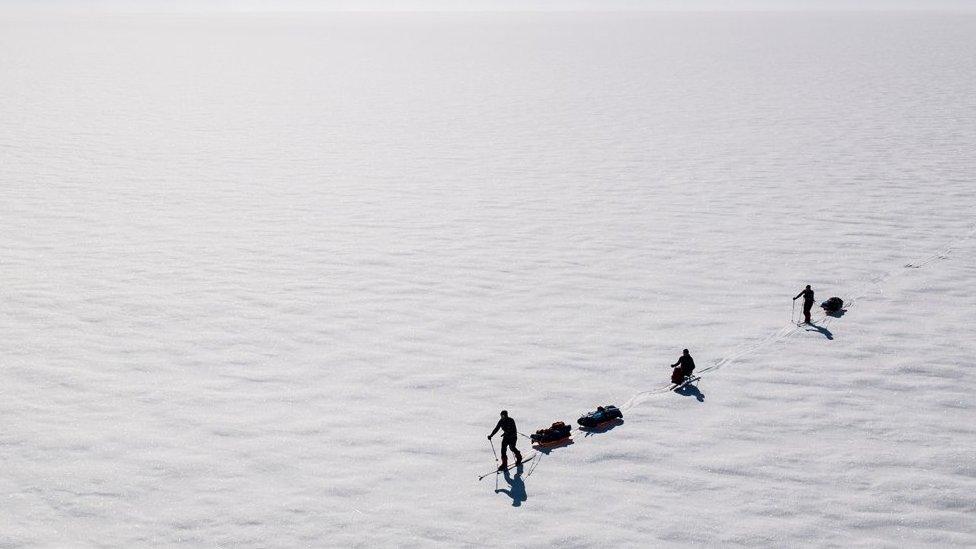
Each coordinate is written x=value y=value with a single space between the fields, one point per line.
x=507 y=425
x=687 y=364
x=807 y=296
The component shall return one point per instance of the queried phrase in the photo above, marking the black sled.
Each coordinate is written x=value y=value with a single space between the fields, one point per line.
x=833 y=306
x=603 y=414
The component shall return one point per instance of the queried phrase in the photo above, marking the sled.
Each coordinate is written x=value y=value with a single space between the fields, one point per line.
x=602 y=415
x=555 y=434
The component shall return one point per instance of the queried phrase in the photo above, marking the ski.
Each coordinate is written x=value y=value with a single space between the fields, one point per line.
x=510 y=467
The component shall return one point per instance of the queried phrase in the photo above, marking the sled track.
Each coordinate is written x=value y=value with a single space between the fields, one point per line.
x=821 y=319
x=874 y=284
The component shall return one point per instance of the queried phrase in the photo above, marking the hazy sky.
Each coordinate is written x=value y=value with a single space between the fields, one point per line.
x=466 y=5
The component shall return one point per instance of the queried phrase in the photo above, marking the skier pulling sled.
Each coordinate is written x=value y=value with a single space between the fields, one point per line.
x=559 y=432
x=602 y=416
x=509 y=438
x=807 y=295
x=682 y=372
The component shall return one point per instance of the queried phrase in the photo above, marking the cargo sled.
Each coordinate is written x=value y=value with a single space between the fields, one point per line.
x=678 y=376
x=603 y=414
x=833 y=305
x=558 y=432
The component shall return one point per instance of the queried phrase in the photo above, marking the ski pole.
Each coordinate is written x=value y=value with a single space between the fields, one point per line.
x=493 y=449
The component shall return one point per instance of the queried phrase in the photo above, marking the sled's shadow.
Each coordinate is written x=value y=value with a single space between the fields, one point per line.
x=516 y=486
x=827 y=333
x=601 y=428
x=692 y=391
x=546 y=448
x=836 y=314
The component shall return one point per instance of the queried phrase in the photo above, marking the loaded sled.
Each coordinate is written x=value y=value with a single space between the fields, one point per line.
x=833 y=305
x=557 y=433
x=679 y=376
x=603 y=414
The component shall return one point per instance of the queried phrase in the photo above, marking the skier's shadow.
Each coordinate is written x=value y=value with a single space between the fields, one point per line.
x=691 y=390
x=827 y=333
x=516 y=487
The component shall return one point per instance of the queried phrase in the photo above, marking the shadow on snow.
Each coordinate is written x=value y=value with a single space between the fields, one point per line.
x=827 y=333
x=516 y=486
x=601 y=428
x=692 y=391
x=546 y=448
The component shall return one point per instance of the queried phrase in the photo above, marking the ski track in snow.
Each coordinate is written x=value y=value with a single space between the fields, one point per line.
x=875 y=284
x=822 y=319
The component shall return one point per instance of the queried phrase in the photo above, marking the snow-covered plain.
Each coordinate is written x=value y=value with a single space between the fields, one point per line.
x=267 y=280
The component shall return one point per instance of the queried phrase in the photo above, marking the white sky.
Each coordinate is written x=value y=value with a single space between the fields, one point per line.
x=477 y=5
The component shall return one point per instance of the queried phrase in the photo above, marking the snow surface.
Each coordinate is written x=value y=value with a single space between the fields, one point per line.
x=268 y=280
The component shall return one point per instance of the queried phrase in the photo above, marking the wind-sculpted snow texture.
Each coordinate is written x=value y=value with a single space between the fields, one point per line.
x=267 y=280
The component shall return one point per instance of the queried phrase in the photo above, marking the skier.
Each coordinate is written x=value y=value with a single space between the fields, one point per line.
x=807 y=296
x=509 y=438
x=683 y=368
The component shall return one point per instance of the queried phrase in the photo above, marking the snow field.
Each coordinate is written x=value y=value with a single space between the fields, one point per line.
x=268 y=280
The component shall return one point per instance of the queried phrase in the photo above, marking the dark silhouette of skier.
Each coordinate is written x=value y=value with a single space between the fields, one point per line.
x=683 y=368
x=807 y=295
x=509 y=438
x=516 y=489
